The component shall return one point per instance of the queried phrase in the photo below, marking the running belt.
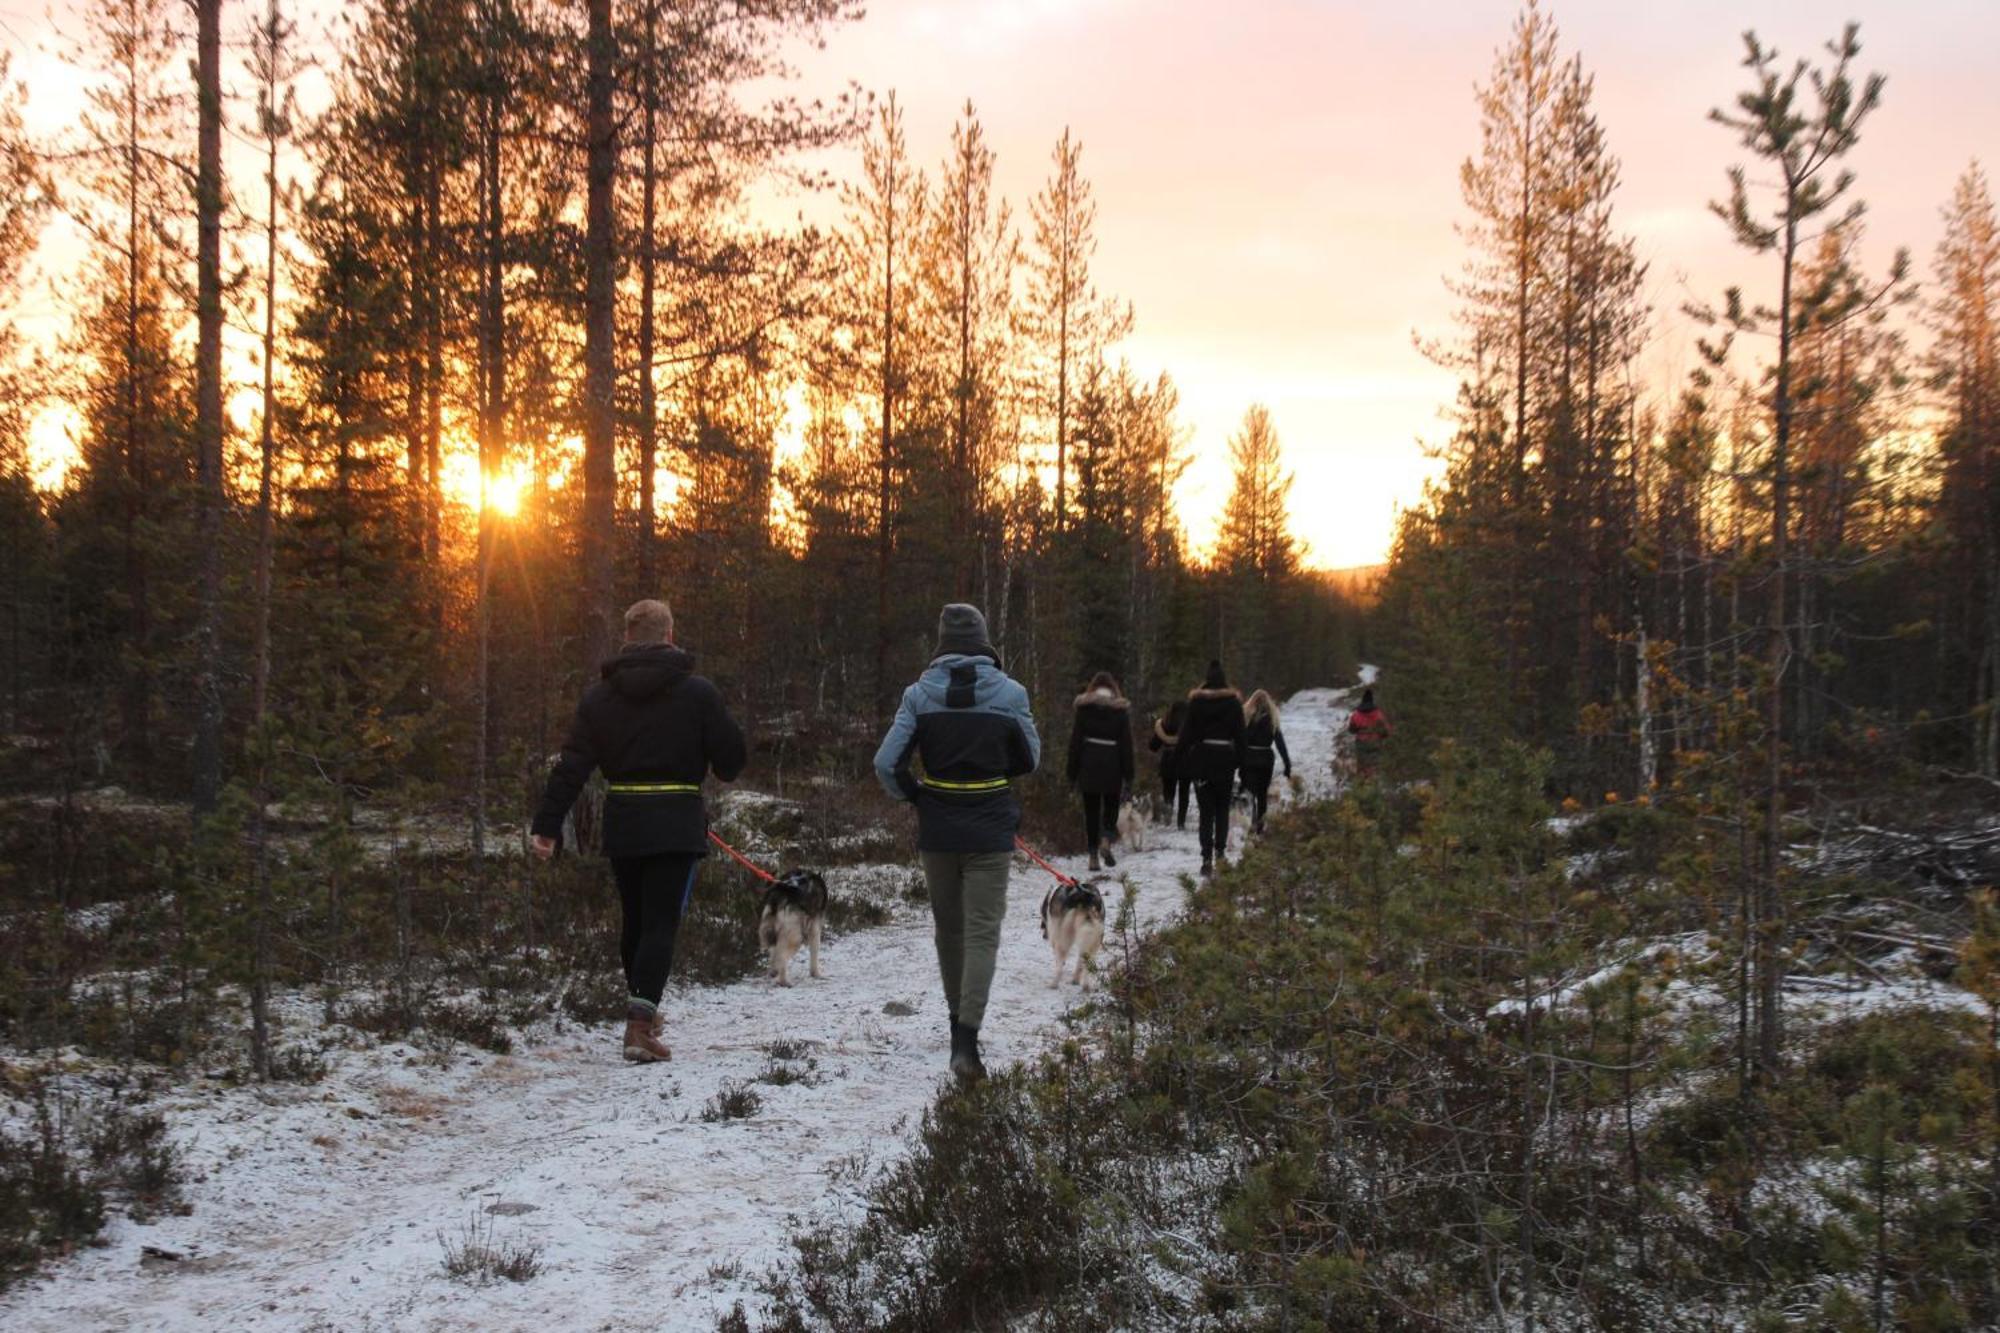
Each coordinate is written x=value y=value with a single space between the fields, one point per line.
x=982 y=785
x=653 y=788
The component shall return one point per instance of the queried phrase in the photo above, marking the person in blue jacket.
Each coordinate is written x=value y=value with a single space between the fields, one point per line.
x=967 y=723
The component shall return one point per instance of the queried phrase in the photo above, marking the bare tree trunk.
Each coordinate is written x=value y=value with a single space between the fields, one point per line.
x=207 y=754
x=492 y=443
x=885 y=443
x=260 y=650
x=1770 y=914
x=600 y=369
x=649 y=425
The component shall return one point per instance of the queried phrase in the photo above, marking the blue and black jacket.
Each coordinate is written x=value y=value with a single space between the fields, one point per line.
x=968 y=722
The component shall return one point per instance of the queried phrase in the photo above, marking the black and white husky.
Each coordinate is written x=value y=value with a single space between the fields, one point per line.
x=1073 y=919
x=793 y=915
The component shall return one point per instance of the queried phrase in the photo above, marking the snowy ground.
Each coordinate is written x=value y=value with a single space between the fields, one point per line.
x=322 y=1206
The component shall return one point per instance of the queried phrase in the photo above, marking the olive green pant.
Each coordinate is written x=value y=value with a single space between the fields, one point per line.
x=968 y=901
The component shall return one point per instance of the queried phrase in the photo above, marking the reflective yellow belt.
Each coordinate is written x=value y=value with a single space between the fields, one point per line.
x=985 y=784
x=653 y=788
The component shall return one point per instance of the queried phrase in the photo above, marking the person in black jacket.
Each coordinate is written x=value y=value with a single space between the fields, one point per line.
x=1175 y=786
x=1263 y=746
x=1210 y=751
x=656 y=729
x=1100 y=762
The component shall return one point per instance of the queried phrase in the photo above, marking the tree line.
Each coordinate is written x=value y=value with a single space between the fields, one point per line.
x=528 y=346
x=1749 y=594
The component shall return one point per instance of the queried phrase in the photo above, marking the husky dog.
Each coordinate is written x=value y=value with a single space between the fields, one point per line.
x=793 y=914
x=1132 y=822
x=1073 y=918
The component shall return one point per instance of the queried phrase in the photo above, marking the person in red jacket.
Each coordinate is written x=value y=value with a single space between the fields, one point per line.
x=1370 y=729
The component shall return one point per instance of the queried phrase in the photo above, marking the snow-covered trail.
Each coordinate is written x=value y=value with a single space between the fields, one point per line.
x=322 y=1206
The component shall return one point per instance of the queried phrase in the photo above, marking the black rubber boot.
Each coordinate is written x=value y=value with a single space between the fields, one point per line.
x=1207 y=867
x=965 y=1061
x=1109 y=859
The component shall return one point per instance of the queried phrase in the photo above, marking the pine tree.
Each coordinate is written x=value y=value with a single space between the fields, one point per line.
x=1069 y=324
x=1804 y=146
x=1256 y=555
x=970 y=256
x=1965 y=366
x=875 y=303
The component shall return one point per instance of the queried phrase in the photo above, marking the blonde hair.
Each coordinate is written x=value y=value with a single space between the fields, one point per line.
x=1258 y=703
x=649 y=621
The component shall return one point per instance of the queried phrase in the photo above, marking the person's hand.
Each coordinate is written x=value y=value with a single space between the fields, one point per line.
x=544 y=848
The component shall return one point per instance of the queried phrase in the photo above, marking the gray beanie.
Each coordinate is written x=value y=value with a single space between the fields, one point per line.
x=962 y=629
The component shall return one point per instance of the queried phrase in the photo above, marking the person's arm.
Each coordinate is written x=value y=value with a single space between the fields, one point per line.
x=1076 y=742
x=722 y=739
x=1278 y=739
x=1025 y=745
x=572 y=769
x=892 y=757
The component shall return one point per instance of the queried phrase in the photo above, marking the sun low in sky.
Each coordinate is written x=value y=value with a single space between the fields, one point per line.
x=1277 y=183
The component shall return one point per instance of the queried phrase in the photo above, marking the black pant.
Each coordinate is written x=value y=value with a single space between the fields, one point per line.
x=1212 y=796
x=1257 y=781
x=1100 y=817
x=654 y=891
x=1172 y=785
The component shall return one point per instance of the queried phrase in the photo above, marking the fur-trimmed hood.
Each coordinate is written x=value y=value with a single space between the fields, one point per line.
x=1226 y=692
x=1160 y=732
x=1102 y=698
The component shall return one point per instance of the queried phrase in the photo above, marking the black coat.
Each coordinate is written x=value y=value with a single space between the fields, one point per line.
x=1211 y=740
x=650 y=723
x=1260 y=738
x=1100 y=744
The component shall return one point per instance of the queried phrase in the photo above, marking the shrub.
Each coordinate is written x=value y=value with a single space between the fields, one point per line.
x=478 y=1256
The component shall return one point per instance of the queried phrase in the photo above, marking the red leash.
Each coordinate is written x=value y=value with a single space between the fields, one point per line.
x=743 y=860
x=1032 y=855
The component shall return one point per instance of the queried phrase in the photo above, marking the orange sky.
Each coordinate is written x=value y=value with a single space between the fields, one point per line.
x=1277 y=180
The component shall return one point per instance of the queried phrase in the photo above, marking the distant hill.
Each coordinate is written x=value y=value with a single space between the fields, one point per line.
x=1360 y=583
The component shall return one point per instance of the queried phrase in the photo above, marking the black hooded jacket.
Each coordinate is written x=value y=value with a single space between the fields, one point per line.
x=1211 y=740
x=656 y=729
x=1100 y=744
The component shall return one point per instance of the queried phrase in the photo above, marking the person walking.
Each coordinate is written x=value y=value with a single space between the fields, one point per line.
x=1370 y=728
x=1209 y=752
x=657 y=730
x=1175 y=786
x=1100 y=762
x=1263 y=746
x=969 y=724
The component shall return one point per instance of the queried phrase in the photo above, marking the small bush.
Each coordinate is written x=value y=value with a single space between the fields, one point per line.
x=736 y=1101
x=56 y=1187
x=478 y=1256
x=780 y=1075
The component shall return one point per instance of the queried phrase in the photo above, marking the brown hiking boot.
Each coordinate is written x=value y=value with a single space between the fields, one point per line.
x=641 y=1046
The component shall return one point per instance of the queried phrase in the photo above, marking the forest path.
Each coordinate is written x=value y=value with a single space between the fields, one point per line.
x=322 y=1206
